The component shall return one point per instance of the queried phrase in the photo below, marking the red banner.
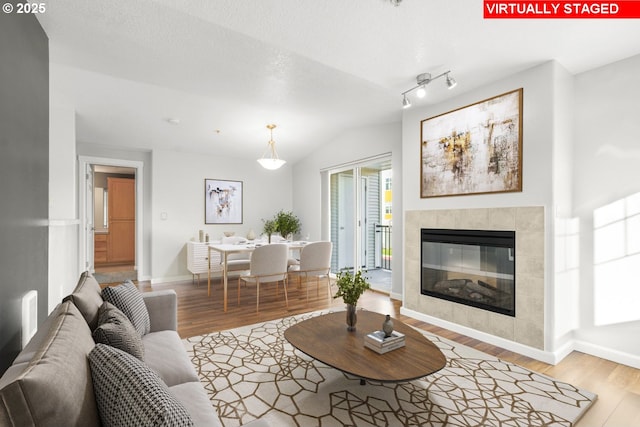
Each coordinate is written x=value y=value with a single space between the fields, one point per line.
x=625 y=9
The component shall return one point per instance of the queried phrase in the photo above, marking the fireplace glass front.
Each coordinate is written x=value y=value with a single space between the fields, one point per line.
x=472 y=267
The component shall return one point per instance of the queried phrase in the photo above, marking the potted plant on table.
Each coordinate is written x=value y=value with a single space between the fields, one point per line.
x=287 y=224
x=269 y=228
x=350 y=288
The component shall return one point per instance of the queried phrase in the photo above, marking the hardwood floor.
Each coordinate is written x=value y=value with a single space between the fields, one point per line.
x=617 y=386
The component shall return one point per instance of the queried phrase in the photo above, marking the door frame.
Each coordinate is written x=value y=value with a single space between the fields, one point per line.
x=360 y=189
x=85 y=223
x=363 y=219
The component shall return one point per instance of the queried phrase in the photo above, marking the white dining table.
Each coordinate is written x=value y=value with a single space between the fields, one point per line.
x=225 y=250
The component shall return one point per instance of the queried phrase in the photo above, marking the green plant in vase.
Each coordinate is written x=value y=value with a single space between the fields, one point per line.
x=287 y=224
x=350 y=289
x=268 y=228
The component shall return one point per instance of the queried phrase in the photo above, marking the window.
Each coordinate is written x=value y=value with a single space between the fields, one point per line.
x=387 y=184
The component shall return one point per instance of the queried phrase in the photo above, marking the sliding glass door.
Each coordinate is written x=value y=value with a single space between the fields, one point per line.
x=343 y=224
x=357 y=209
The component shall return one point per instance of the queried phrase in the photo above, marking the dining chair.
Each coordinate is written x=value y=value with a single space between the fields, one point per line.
x=237 y=262
x=268 y=264
x=315 y=260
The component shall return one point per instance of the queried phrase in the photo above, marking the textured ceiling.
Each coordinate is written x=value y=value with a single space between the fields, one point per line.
x=315 y=68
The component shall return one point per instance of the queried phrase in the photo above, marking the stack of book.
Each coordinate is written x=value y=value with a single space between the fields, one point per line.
x=377 y=342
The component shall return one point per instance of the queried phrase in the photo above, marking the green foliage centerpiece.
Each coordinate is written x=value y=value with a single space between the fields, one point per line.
x=269 y=228
x=287 y=224
x=350 y=288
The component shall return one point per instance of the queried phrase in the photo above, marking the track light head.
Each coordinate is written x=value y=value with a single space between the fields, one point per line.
x=451 y=82
x=405 y=102
x=421 y=92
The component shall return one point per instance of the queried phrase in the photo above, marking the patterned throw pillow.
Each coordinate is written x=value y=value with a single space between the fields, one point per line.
x=129 y=300
x=115 y=329
x=129 y=393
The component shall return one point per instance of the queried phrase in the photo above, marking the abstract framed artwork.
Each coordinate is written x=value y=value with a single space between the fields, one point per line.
x=222 y=201
x=475 y=149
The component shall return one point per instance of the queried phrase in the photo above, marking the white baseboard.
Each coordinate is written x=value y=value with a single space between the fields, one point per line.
x=396 y=295
x=552 y=358
x=563 y=352
x=607 y=353
x=203 y=277
x=534 y=353
x=158 y=280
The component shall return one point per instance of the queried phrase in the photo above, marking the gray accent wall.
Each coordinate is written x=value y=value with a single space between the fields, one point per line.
x=24 y=174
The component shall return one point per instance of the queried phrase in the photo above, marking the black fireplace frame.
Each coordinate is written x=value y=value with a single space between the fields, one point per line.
x=495 y=238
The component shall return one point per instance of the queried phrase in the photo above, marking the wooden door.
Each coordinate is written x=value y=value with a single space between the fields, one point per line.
x=122 y=219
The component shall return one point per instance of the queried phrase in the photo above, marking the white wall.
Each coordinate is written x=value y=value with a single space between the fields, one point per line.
x=539 y=116
x=606 y=169
x=62 y=163
x=310 y=198
x=562 y=308
x=178 y=195
x=96 y=150
x=63 y=207
x=537 y=143
x=580 y=153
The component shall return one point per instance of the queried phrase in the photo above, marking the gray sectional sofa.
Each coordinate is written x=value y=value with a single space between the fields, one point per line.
x=50 y=382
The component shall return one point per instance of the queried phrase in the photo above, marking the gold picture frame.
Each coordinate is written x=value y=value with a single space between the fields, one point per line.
x=475 y=149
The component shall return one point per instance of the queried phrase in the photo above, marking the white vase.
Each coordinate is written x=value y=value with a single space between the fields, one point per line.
x=251 y=235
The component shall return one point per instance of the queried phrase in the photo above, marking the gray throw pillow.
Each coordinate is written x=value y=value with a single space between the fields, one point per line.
x=115 y=329
x=129 y=393
x=129 y=300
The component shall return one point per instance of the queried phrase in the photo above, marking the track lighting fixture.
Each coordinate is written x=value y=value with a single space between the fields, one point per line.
x=423 y=80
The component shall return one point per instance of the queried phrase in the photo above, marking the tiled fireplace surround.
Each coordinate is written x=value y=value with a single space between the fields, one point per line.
x=527 y=327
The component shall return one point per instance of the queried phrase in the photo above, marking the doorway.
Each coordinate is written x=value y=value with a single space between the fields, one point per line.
x=360 y=210
x=111 y=204
x=114 y=223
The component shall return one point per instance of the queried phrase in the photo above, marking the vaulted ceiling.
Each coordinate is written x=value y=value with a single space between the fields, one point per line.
x=227 y=68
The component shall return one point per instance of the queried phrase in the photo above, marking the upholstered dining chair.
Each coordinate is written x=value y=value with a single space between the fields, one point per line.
x=315 y=260
x=268 y=264
x=237 y=262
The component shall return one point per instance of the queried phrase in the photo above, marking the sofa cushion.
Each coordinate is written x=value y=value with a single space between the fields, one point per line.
x=194 y=397
x=129 y=393
x=165 y=354
x=129 y=300
x=86 y=296
x=54 y=388
x=115 y=329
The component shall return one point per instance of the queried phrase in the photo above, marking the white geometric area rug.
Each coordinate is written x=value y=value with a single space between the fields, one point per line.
x=253 y=372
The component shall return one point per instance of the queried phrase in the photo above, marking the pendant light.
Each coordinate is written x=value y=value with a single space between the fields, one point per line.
x=270 y=158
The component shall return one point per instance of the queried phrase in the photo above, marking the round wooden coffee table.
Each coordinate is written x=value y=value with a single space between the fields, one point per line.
x=326 y=339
